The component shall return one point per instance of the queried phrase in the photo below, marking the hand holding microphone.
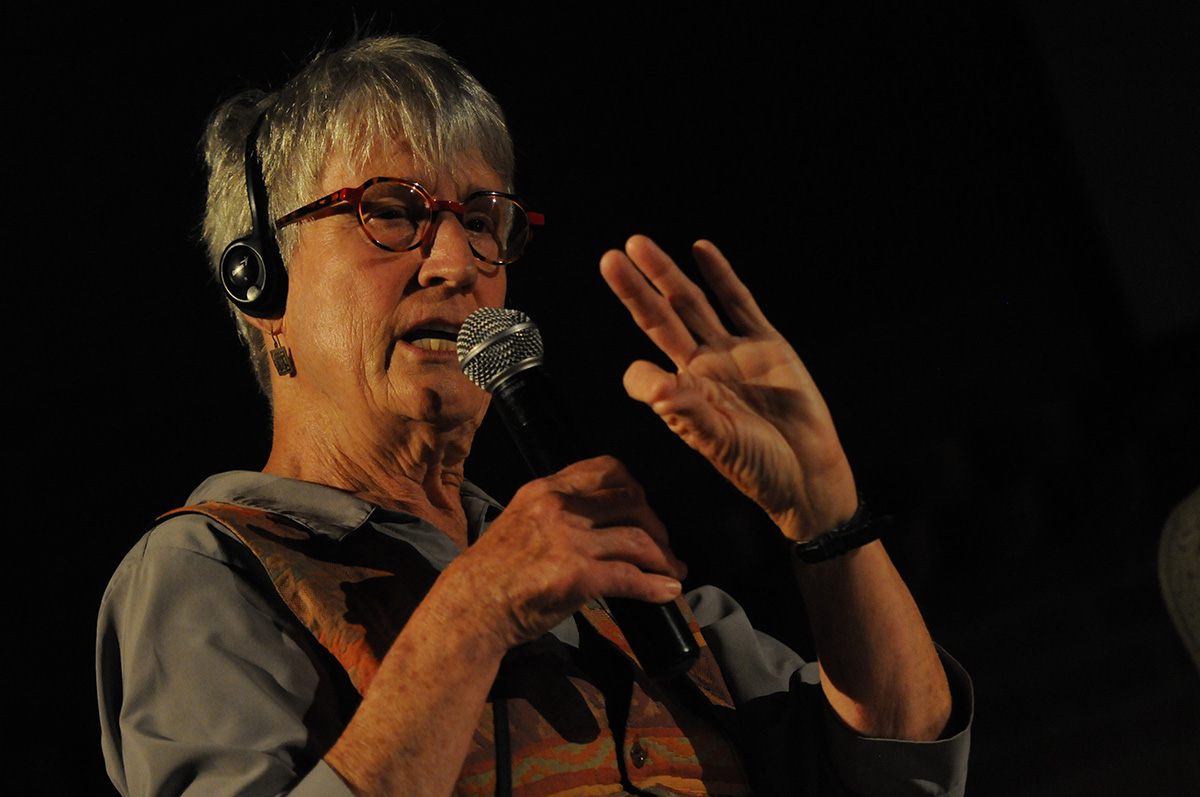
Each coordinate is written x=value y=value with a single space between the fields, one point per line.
x=501 y=351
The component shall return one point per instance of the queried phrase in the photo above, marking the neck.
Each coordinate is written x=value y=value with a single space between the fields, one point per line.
x=412 y=466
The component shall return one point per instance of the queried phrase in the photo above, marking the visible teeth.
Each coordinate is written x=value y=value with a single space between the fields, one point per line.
x=434 y=344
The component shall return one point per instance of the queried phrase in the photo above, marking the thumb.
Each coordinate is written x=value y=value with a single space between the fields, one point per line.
x=675 y=399
x=646 y=382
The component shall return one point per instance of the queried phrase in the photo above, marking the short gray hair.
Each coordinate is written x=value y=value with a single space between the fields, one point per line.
x=350 y=101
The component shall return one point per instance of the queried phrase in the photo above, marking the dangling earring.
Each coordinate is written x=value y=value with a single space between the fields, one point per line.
x=281 y=358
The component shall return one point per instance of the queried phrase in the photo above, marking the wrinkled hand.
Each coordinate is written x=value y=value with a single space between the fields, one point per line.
x=742 y=398
x=583 y=533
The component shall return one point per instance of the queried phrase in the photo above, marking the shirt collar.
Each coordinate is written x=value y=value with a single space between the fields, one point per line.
x=334 y=513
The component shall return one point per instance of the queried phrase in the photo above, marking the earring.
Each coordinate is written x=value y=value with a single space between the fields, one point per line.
x=281 y=358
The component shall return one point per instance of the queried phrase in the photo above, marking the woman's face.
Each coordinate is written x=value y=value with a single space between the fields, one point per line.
x=371 y=331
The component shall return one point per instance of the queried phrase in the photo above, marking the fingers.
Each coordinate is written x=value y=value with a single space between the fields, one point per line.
x=649 y=309
x=736 y=299
x=584 y=533
x=623 y=580
x=683 y=296
x=671 y=309
x=631 y=545
x=667 y=306
x=601 y=496
x=596 y=510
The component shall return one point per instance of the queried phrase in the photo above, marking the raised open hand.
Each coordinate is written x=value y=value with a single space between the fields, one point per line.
x=740 y=397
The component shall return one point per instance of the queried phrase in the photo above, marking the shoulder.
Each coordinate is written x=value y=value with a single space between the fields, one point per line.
x=190 y=627
x=181 y=549
x=186 y=577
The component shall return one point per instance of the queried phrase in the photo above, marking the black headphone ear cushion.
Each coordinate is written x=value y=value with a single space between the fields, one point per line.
x=253 y=283
x=242 y=271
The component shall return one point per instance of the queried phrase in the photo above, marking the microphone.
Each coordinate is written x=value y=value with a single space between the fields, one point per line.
x=501 y=350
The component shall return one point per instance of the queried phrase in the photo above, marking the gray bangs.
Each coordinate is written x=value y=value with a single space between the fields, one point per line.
x=379 y=94
x=443 y=131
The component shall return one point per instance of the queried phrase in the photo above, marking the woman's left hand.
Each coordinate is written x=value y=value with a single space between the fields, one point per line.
x=742 y=398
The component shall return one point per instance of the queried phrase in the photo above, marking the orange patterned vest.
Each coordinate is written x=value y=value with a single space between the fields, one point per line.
x=588 y=724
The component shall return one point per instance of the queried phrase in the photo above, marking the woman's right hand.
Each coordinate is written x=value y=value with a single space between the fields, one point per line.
x=580 y=534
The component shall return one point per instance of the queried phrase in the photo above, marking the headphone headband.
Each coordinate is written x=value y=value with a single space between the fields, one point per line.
x=252 y=269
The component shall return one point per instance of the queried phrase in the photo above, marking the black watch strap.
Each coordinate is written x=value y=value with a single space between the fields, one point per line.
x=860 y=529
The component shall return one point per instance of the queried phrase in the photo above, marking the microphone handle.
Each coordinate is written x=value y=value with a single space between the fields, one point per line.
x=657 y=633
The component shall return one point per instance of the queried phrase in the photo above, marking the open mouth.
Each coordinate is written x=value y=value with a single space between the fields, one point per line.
x=432 y=339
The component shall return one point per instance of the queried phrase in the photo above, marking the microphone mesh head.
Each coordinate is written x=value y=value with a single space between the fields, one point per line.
x=495 y=342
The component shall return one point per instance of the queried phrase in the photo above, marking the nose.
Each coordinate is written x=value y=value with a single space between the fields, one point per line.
x=449 y=259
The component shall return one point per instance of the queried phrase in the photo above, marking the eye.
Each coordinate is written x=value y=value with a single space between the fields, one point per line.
x=479 y=223
x=389 y=211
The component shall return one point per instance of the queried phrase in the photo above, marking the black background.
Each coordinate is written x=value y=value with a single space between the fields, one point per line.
x=978 y=226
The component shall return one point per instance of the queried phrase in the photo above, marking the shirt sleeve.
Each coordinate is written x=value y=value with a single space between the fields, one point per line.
x=795 y=743
x=207 y=685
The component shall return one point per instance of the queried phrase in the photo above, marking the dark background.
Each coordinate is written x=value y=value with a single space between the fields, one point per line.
x=980 y=228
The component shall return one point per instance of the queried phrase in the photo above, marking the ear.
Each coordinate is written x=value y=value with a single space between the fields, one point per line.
x=267 y=326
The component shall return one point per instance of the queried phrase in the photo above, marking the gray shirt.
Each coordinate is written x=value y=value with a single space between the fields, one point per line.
x=209 y=685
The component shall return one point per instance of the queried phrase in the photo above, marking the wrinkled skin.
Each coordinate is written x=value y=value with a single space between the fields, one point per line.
x=741 y=398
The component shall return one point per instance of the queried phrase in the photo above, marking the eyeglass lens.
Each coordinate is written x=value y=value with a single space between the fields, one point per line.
x=396 y=216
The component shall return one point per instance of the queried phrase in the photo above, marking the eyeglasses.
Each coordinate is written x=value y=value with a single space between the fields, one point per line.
x=397 y=215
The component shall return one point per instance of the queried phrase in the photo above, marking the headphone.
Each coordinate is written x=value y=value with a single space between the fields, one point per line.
x=251 y=267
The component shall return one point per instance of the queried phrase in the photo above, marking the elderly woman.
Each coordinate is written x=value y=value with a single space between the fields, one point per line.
x=336 y=624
